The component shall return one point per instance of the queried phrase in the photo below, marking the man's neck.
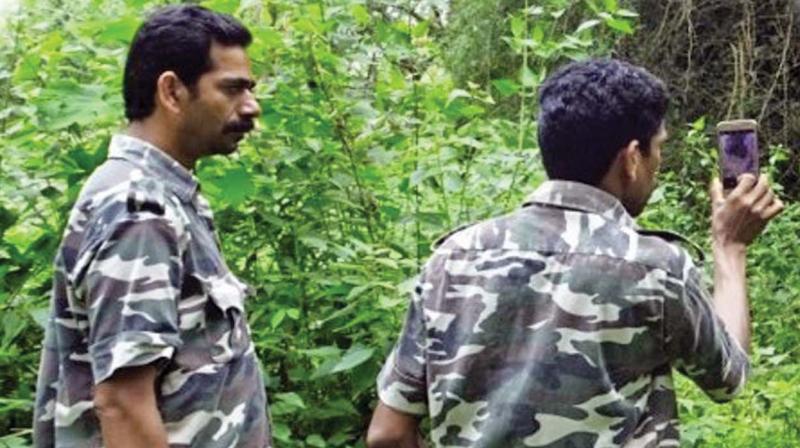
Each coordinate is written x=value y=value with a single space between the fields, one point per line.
x=148 y=131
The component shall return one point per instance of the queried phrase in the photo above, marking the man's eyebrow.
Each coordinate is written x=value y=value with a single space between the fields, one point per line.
x=239 y=82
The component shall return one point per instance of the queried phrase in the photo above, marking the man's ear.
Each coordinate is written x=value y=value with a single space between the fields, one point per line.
x=631 y=159
x=171 y=93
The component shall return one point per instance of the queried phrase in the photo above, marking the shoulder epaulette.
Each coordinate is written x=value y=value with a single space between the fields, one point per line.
x=146 y=194
x=674 y=237
x=439 y=241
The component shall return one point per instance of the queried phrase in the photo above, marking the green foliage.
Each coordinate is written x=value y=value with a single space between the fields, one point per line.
x=480 y=50
x=372 y=143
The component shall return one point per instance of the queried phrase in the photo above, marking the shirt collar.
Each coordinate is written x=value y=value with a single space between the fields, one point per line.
x=155 y=162
x=582 y=197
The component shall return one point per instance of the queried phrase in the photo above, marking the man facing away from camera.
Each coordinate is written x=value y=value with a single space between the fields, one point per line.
x=558 y=325
x=147 y=343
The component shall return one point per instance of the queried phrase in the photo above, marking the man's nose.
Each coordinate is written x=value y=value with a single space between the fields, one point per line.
x=249 y=107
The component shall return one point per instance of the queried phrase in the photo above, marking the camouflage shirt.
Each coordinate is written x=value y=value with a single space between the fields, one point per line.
x=558 y=325
x=139 y=279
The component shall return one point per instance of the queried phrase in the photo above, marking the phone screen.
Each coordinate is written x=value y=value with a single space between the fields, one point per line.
x=738 y=154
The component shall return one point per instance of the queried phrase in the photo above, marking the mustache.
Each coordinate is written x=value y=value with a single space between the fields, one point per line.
x=239 y=126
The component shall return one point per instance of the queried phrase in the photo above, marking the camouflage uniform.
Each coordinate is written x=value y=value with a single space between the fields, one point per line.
x=558 y=326
x=139 y=279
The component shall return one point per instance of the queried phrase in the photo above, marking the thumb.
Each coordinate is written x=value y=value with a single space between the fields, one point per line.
x=716 y=191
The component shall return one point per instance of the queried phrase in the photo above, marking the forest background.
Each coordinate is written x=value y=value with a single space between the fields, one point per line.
x=385 y=124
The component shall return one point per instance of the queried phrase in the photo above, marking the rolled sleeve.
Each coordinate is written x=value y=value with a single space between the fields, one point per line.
x=699 y=345
x=401 y=382
x=132 y=286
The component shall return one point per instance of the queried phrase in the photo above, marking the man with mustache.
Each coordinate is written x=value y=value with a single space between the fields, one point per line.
x=147 y=343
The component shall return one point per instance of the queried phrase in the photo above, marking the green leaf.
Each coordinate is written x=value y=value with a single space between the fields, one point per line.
x=699 y=124
x=119 y=31
x=315 y=440
x=66 y=102
x=526 y=77
x=538 y=33
x=323 y=352
x=506 y=87
x=626 y=13
x=518 y=27
x=27 y=68
x=418 y=176
x=22 y=235
x=226 y=6
x=356 y=356
x=621 y=25
x=457 y=93
x=277 y=318
x=232 y=188
x=360 y=13
x=281 y=432
x=290 y=399
x=587 y=24
x=266 y=39
x=452 y=182
x=40 y=316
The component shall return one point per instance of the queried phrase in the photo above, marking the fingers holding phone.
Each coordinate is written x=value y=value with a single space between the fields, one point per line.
x=738 y=218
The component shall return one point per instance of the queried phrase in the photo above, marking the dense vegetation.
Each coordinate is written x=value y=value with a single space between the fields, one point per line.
x=385 y=124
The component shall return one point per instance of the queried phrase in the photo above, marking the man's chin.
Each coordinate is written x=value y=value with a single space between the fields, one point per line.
x=227 y=147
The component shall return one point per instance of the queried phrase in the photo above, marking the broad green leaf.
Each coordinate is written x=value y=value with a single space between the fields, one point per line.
x=622 y=25
x=266 y=38
x=120 y=30
x=452 y=181
x=538 y=33
x=277 y=318
x=22 y=235
x=315 y=440
x=518 y=27
x=356 y=356
x=506 y=87
x=699 y=124
x=232 y=188
x=27 y=68
x=526 y=77
x=360 y=13
x=281 y=432
x=64 y=103
x=290 y=399
x=611 y=5
x=40 y=316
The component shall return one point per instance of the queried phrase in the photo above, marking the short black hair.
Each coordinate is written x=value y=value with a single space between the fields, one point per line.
x=589 y=110
x=176 y=38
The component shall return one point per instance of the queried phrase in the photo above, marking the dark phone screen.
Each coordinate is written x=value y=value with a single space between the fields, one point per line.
x=738 y=154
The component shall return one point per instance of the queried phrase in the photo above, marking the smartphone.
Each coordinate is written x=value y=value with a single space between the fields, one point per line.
x=738 y=150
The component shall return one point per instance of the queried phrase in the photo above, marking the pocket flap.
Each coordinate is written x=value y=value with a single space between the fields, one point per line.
x=226 y=291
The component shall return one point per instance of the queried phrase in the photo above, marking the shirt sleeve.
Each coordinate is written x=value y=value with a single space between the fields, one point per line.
x=699 y=345
x=401 y=382
x=131 y=289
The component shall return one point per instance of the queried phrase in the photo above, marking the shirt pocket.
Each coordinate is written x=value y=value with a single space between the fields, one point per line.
x=226 y=327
